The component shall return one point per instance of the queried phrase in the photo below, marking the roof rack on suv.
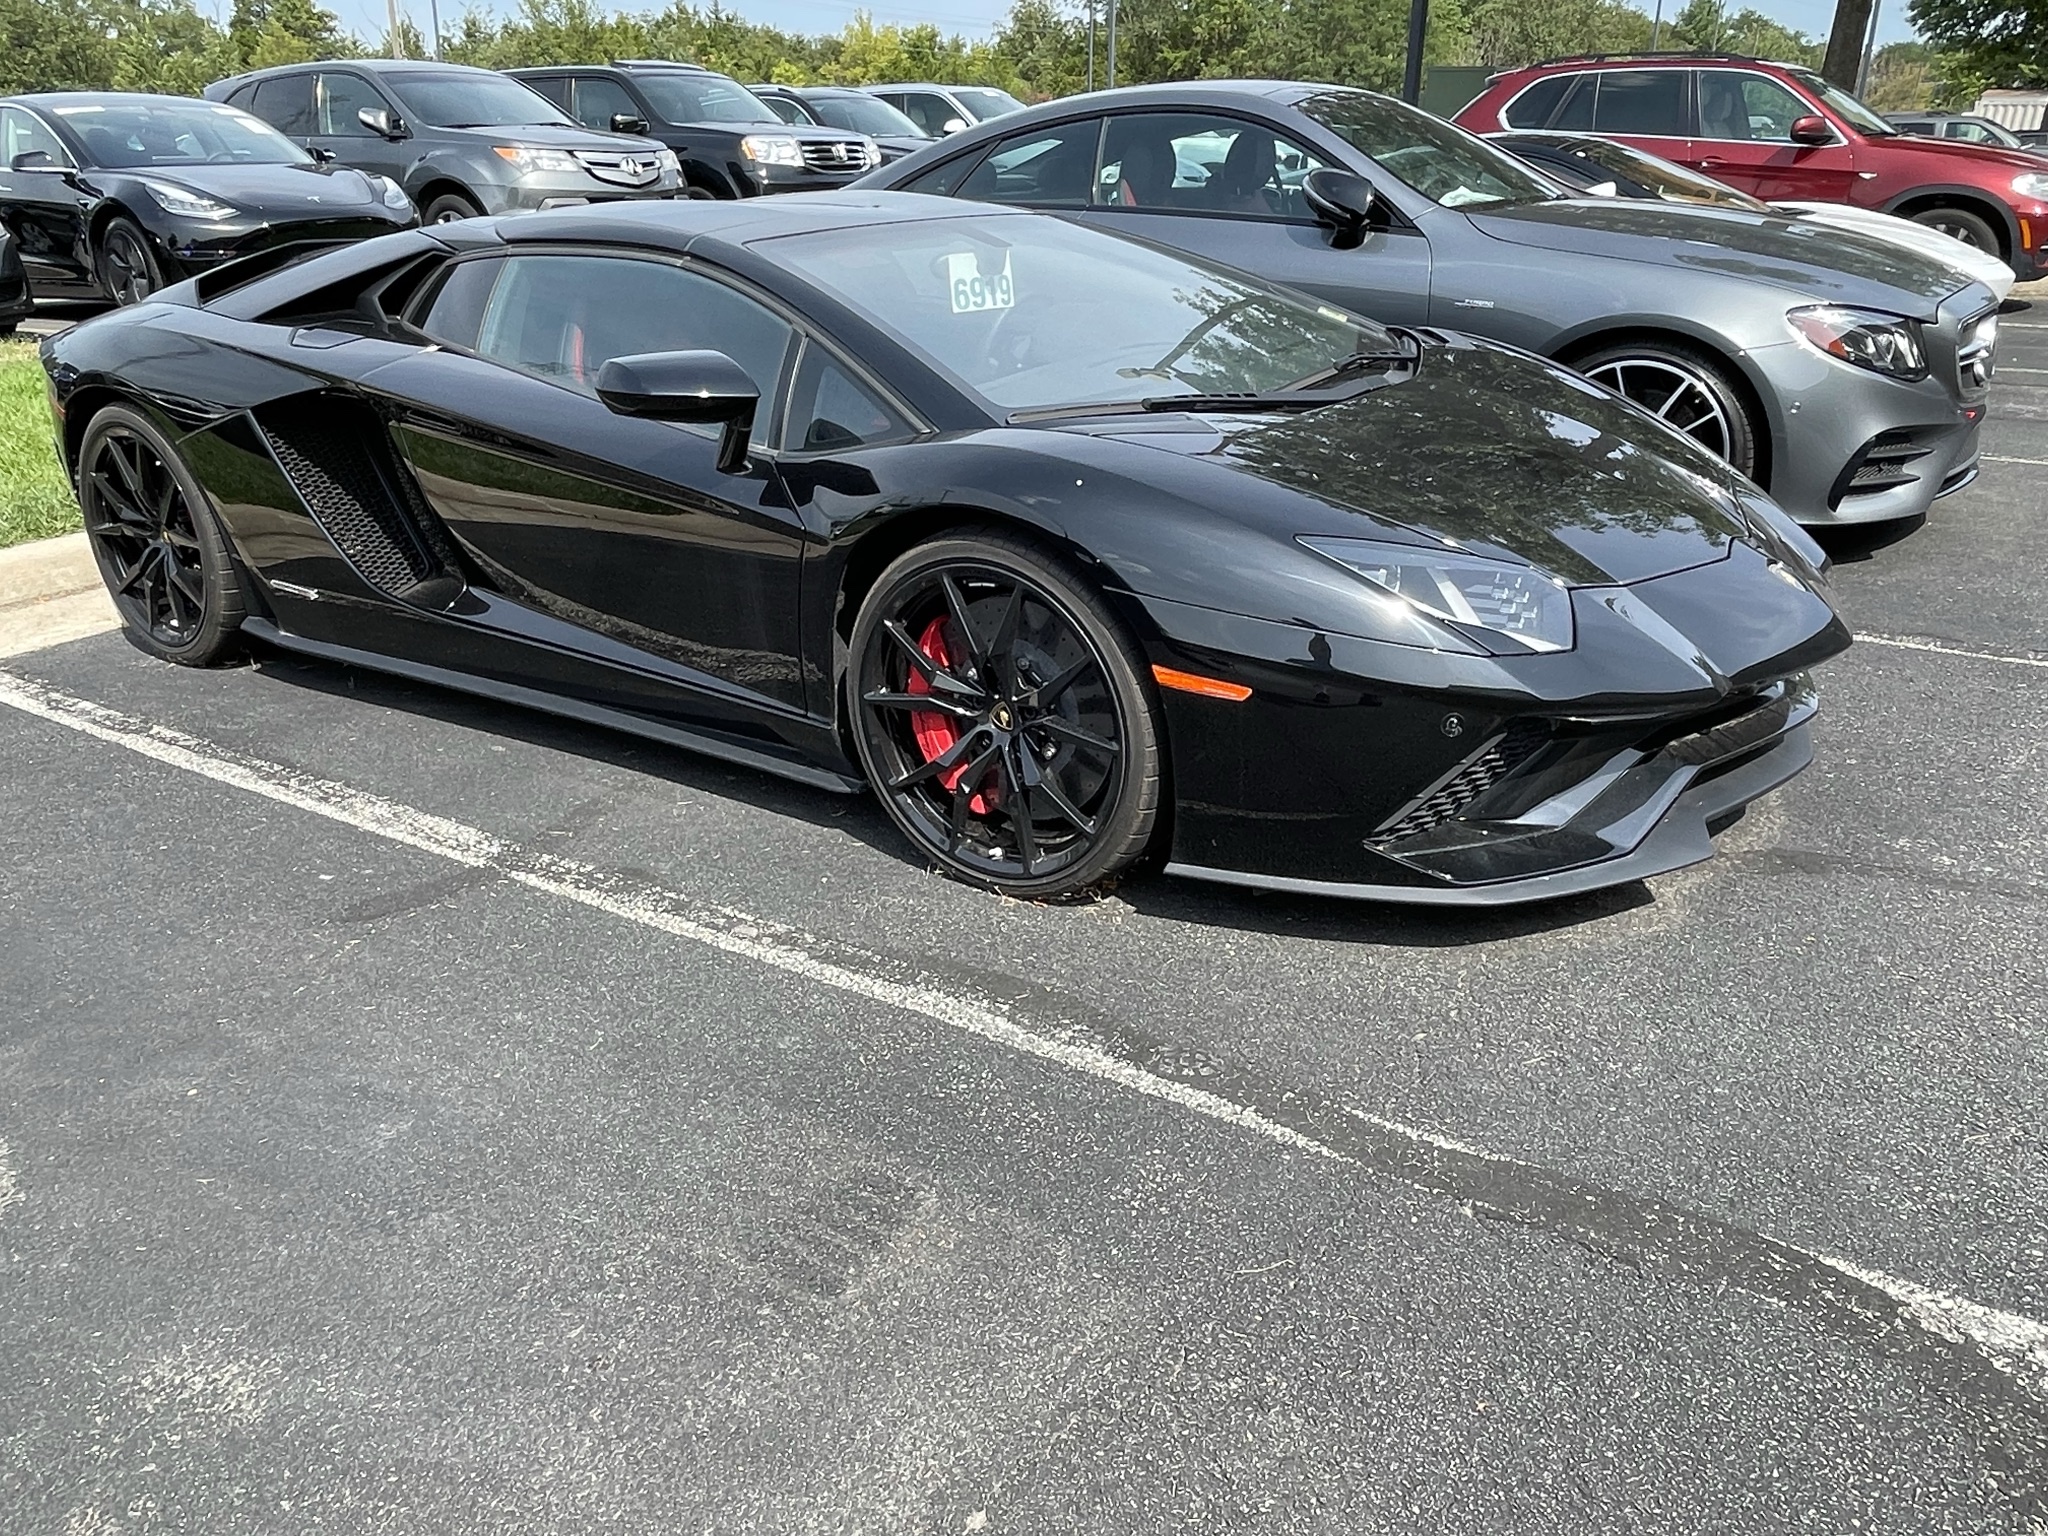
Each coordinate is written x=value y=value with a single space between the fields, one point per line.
x=658 y=64
x=1642 y=53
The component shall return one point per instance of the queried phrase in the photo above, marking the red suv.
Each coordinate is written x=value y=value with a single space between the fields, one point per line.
x=1785 y=135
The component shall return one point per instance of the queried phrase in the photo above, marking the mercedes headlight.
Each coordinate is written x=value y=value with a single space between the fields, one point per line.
x=529 y=162
x=1504 y=609
x=772 y=149
x=1870 y=339
x=2033 y=184
x=186 y=204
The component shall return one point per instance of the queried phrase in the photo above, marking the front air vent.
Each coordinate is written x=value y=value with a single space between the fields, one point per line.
x=1471 y=779
x=1883 y=465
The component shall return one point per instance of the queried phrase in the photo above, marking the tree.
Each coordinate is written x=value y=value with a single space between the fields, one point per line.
x=1507 y=34
x=266 y=32
x=1997 y=42
x=53 y=45
x=1901 y=78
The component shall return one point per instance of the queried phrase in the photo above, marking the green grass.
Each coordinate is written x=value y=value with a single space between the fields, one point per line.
x=35 y=498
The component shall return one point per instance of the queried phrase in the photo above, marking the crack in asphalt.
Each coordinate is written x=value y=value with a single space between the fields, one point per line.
x=1992 y=1364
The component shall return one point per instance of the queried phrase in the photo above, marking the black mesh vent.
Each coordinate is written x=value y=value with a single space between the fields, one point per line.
x=337 y=457
x=1481 y=772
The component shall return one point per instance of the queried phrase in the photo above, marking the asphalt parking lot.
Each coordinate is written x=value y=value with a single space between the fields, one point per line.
x=421 y=1116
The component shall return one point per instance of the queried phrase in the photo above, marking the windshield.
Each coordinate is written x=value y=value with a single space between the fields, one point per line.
x=863 y=114
x=471 y=99
x=1031 y=312
x=1672 y=183
x=703 y=99
x=985 y=102
x=131 y=134
x=1845 y=106
x=1445 y=164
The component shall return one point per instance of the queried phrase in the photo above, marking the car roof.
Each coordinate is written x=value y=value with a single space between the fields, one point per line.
x=51 y=100
x=678 y=224
x=371 y=66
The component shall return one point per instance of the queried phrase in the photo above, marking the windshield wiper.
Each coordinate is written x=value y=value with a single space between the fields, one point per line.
x=1353 y=363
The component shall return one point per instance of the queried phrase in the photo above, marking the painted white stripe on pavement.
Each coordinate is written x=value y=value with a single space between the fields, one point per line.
x=2015 y=1345
x=1943 y=648
x=1999 y=458
x=10 y=1187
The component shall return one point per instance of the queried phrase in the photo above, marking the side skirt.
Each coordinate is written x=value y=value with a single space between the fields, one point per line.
x=555 y=704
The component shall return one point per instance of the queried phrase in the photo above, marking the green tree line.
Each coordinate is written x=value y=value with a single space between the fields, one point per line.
x=1039 y=50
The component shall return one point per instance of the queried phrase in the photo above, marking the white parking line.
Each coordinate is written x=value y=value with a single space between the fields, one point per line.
x=1944 y=648
x=1999 y=458
x=2015 y=1345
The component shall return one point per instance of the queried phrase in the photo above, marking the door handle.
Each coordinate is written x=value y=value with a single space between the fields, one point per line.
x=1708 y=163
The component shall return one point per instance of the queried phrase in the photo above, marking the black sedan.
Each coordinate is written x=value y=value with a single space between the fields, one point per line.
x=1071 y=548
x=112 y=196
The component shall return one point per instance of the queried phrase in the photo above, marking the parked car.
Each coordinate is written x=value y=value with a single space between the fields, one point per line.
x=1608 y=167
x=16 y=302
x=1965 y=126
x=730 y=143
x=460 y=141
x=1847 y=375
x=1063 y=545
x=832 y=106
x=112 y=195
x=1780 y=132
x=942 y=109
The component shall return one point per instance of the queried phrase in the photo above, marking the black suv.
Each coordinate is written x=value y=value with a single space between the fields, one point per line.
x=460 y=141
x=730 y=143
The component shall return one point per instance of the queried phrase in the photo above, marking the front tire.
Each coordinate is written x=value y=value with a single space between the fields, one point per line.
x=1002 y=717
x=1961 y=224
x=1685 y=387
x=449 y=208
x=128 y=268
x=159 y=549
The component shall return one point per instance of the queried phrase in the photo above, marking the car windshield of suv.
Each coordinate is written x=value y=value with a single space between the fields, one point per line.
x=1445 y=164
x=703 y=99
x=863 y=114
x=985 y=102
x=1672 y=183
x=472 y=100
x=126 y=135
x=1845 y=106
x=1033 y=313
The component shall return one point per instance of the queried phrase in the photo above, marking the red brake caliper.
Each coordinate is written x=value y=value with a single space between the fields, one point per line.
x=937 y=733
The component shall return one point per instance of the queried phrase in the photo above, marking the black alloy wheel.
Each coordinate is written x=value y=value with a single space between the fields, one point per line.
x=1001 y=716
x=1684 y=387
x=159 y=551
x=128 y=270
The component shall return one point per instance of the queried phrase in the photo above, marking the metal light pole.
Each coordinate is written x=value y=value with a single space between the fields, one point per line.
x=1091 y=44
x=1109 y=71
x=397 y=42
x=1657 y=26
x=1418 y=27
x=1869 y=49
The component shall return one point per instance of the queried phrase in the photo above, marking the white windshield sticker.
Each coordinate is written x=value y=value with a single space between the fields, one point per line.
x=974 y=290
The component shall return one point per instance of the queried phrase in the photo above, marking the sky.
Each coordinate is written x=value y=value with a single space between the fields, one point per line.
x=976 y=18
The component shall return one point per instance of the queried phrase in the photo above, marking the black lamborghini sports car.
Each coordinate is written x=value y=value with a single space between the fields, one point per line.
x=1071 y=548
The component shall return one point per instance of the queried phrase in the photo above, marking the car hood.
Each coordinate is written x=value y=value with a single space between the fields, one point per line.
x=269 y=189
x=1835 y=265
x=1486 y=450
x=552 y=136
x=1960 y=156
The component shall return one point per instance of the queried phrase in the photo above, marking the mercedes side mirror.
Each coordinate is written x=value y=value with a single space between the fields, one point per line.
x=34 y=160
x=705 y=387
x=1811 y=129
x=953 y=125
x=1344 y=201
x=626 y=122
x=380 y=122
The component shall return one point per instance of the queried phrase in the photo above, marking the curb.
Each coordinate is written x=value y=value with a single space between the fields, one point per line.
x=50 y=592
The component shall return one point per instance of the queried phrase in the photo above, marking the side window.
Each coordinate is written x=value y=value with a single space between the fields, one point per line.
x=286 y=103
x=340 y=98
x=1533 y=107
x=1648 y=102
x=1575 y=112
x=930 y=113
x=598 y=100
x=23 y=133
x=554 y=87
x=453 y=308
x=1976 y=133
x=1201 y=163
x=1736 y=105
x=785 y=109
x=562 y=318
x=243 y=96
x=829 y=409
x=944 y=180
x=1046 y=168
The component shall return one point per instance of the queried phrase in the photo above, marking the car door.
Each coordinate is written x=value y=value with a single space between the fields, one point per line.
x=1744 y=137
x=1229 y=188
x=42 y=204
x=1649 y=108
x=623 y=530
x=598 y=101
x=338 y=96
x=286 y=103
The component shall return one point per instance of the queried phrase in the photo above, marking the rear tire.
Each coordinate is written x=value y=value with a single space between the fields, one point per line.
x=1035 y=769
x=1962 y=225
x=448 y=208
x=162 y=555
x=1685 y=387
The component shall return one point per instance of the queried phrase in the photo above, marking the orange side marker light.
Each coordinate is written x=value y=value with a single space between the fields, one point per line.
x=1194 y=682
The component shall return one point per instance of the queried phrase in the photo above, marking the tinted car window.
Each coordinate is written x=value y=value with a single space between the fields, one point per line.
x=983 y=102
x=554 y=87
x=1201 y=162
x=562 y=318
x=340 y=98
x=1738 y=105
x=137 y=133
x=286 y=103
x=1045 y=168
x=703 y=99
x=944 y=180
x=1533 y=107
x=930 y=113
x=1443 y=163
x=1650 y=102
x=786 y=109
x=861 y=114
x=466 y=100
x=21 y=133
x=455 y=312
x=598 y=100
x=829 y=409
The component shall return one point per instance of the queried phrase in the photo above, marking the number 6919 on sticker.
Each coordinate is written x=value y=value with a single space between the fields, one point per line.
x=974 y=290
